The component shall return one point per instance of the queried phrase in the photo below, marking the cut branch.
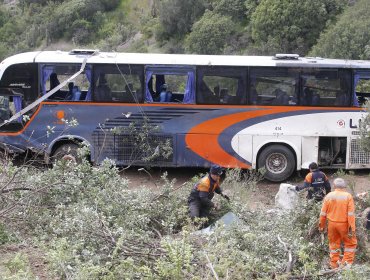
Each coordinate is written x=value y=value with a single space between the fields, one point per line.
x=289 y=264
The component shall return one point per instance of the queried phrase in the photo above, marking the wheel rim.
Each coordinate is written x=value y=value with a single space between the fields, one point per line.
x=276 y=163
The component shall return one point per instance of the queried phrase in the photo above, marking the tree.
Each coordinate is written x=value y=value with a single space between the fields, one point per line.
x=349 y=38
x=210 y=34
x=177 y=16
x=233 y=8
x=66 y=19
x=250 y=6
x=291 y=25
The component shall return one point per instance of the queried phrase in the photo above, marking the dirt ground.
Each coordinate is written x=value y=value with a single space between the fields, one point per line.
x=265 y=193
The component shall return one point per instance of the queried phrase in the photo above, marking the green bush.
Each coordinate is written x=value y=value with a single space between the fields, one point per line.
x=4 y=238
x=210 y=34
x=291 y=26
x=92 y=225
x=348 y=38
x=18 y=268
x=236 y=9
x=177 y=16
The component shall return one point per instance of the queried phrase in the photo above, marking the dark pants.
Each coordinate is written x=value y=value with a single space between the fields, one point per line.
x=197 y=209
x=316 y=195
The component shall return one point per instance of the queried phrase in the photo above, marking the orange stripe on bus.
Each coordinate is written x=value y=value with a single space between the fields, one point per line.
x=203 y=138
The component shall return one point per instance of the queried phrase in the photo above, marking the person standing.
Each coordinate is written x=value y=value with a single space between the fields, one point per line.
x=200 y=198
x=317 y=182
x=339 y=210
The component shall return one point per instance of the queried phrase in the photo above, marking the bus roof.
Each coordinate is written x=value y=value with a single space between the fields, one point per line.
x=182 y=59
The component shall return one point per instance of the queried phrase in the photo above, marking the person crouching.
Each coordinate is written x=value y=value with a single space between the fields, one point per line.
x=200 y=198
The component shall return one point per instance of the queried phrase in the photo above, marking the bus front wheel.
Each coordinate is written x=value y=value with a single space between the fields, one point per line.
x=66 y=151
x=278 y=161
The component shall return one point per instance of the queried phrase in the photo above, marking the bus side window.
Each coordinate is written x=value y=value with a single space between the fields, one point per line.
x=281 y=97
x=170 y=87
x=362 y=90
x=325 y=87
x=340 y=99
x=228 y=84
x=103 y=91
x=206 y=95
x=273 y=86
x=77 y=90
x=118 y=83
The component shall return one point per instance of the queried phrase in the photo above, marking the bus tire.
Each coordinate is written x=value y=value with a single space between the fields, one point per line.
x=279 y=162
x=67 y=151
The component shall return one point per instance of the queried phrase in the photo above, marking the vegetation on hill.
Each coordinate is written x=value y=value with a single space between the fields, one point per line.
x=319 y=27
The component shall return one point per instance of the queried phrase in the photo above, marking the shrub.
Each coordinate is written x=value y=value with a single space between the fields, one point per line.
x=291 y=26
x=210 y=34
x=92 y=225
x=177 y=16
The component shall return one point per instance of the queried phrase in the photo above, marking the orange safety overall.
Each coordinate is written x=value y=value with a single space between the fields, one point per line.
x=339 y=209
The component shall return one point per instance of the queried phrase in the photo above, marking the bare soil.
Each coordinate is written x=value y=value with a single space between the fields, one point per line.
x=35 y=257
x=264 y=194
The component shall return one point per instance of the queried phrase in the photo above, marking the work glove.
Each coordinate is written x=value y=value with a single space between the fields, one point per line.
x=292 y=188
x=225 y=196
x=216 y=206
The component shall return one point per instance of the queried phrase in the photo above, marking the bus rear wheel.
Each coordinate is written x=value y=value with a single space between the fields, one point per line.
x=278 y=161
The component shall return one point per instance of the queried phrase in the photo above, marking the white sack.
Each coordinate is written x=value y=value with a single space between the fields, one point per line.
x=286 y=198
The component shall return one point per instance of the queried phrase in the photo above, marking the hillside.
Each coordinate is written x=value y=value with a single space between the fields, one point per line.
x=175 y=26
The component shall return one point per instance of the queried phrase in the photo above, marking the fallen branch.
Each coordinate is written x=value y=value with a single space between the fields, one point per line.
x=150 y=175
x=15 y=189
x=165 y=194
x=289 y=265
x=17 y=203
x=211 y=267
x=314 y=276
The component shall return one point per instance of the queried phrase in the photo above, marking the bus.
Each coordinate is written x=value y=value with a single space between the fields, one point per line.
x=277 y=112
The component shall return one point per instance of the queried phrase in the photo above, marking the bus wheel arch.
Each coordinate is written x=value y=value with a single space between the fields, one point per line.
x=279 y=160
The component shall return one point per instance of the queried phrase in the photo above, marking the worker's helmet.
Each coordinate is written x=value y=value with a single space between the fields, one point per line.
x=313 y=166
x=216 y=170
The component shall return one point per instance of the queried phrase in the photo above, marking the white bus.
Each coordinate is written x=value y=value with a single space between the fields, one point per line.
x=278 y=112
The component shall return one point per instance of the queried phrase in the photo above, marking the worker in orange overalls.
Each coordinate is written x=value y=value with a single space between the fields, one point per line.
x=339 y=209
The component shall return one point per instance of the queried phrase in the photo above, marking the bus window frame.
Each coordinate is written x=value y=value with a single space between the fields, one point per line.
x=76 y=67
x=360 y=98
x=263 y=72
x=96 y=75
x=343 y=75
x=180 y=70
x=240 y=73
